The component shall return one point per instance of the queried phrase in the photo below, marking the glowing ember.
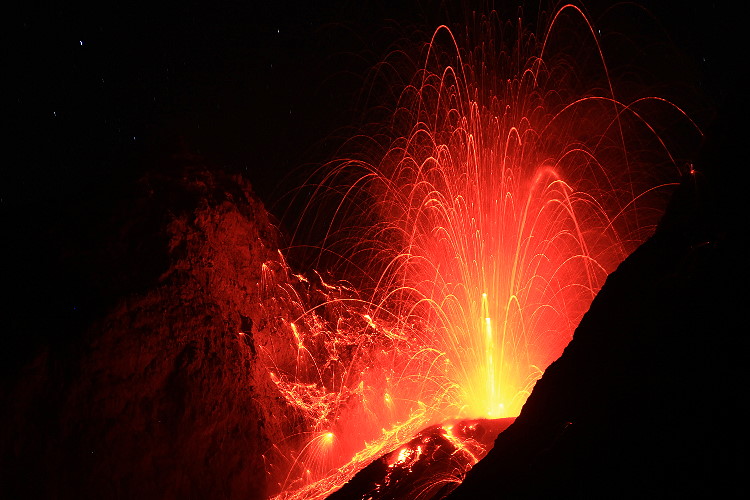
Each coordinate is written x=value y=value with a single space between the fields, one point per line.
x=474 y=228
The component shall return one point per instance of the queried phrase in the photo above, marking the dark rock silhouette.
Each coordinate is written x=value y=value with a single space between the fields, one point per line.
x=647 y=399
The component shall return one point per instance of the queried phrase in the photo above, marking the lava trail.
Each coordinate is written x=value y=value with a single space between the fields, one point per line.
x=466 y=230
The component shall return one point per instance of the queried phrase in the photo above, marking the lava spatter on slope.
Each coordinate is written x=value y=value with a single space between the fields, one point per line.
x=428 y=466
x=458 y=242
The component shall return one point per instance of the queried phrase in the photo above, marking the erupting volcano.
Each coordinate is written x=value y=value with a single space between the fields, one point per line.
x=466 y=234
x=513 y=275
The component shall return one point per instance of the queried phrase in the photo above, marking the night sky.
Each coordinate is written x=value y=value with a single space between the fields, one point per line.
x=257 y=87
x=248 y=86
x=99 y=94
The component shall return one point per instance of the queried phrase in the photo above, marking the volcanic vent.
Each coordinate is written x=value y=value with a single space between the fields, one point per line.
x=460 y=240
x=458 y=243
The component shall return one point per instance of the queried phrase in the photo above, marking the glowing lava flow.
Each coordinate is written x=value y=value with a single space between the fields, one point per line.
x=473 y=228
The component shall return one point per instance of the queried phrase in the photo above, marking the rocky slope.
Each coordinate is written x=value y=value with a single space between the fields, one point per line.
x=647 y=399
x=156 y=394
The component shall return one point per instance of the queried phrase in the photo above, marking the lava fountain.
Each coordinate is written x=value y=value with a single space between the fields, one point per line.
x=466 y=231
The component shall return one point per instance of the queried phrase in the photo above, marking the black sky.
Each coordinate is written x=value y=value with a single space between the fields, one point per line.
x=254 y=86
x=247 y=85
x=100 y=93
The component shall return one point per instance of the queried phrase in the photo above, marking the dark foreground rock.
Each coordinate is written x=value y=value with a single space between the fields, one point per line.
x=648 y=398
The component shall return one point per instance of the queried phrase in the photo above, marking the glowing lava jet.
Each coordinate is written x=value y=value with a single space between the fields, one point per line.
x=473 y=228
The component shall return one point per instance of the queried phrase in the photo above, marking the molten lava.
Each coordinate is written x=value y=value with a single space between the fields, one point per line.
x=465 y=237
x=430 y=465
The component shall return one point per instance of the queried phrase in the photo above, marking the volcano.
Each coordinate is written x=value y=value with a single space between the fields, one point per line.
x=504 y=228
x=160 y=396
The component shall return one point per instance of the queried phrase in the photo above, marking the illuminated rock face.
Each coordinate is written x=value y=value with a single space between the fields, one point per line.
x=160 y=396
x=429 y=466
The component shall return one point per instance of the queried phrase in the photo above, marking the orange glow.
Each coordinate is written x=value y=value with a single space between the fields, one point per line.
x=473 y=229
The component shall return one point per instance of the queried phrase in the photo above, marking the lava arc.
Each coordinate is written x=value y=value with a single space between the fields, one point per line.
x=465 y=237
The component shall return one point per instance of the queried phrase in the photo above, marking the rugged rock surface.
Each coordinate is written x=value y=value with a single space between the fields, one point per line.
x=647 y=399
x=428 y=466
x=156 y=395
